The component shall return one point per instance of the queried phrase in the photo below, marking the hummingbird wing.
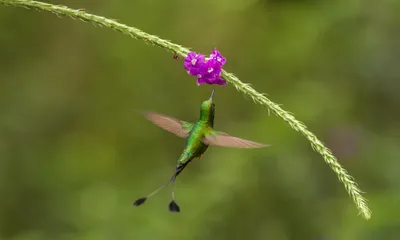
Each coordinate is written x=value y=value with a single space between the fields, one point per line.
x=175 y=126
x=222 y=139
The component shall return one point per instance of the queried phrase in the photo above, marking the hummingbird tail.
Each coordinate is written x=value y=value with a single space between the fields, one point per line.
x=173 y=207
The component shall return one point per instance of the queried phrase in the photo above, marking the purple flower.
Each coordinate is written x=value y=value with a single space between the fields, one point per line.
x=210 y=73
x=217 y=80
x=216 y=55
x=193 y=63
x=207 y=70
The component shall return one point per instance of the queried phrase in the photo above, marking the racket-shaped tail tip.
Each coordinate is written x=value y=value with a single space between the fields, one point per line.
x=173 y=207
x=140 y=201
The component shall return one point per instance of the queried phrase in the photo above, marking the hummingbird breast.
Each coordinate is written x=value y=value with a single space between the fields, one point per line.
x=195 y=147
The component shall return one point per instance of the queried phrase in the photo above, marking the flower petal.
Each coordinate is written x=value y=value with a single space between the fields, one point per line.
x=220 y=81
x=217 y=56
x=187 y=62
x=201 y=81
x=193 y=62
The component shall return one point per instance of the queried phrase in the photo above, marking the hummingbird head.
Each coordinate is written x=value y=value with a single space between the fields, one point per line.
x=207 y=109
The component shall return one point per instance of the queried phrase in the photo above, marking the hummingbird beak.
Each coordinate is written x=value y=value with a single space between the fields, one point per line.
x=212 y=94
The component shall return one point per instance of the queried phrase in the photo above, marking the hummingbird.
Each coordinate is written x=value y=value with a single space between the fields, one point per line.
x=199 y=136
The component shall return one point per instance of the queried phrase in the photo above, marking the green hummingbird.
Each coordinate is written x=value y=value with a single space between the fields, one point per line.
x=199 y=136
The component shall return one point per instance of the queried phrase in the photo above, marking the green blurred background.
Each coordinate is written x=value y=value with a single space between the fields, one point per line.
x=74 y=155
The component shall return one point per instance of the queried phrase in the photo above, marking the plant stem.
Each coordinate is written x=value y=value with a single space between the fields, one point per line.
x=316 y=144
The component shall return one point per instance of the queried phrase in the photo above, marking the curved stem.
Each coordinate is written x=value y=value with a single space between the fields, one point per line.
x=348 y=181
x=260 y=98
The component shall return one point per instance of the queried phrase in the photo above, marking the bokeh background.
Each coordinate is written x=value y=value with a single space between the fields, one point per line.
x=74 y=154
